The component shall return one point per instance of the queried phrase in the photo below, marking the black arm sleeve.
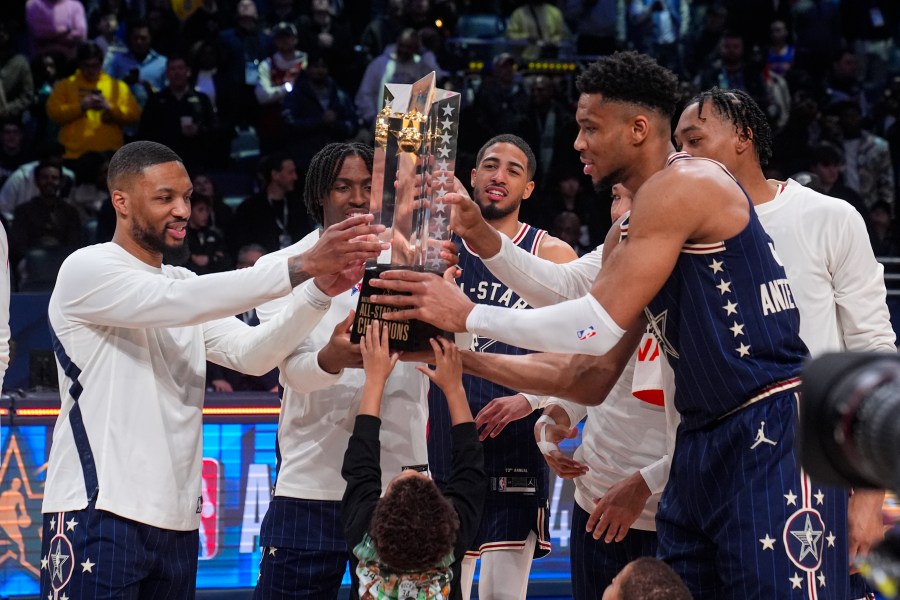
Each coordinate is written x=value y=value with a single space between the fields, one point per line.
x=362 y=472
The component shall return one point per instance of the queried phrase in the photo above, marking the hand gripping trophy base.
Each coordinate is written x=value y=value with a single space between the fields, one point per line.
x=408 y=335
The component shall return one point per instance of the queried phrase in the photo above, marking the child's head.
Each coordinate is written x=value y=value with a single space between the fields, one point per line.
x=414 y=526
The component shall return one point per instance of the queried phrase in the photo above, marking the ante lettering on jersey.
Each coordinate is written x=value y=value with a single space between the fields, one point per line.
x=488 y=290
x=775 y=296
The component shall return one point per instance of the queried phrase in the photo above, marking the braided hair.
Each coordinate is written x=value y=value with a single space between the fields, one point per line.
x=324 y=169
x=744 y=113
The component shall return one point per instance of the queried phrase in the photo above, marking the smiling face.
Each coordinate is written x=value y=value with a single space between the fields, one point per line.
x=500 y=181
x=153 y=210
x=350 y=194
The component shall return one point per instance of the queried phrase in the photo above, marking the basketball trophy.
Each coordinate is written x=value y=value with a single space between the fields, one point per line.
x=415 y=156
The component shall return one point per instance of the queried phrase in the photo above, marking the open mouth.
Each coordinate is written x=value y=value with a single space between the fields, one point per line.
x=495 y=193
x=355 y=212
x=177 y=231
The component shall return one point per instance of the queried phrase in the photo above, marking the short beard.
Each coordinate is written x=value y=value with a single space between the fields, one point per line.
x=492 y=212
x=176 y=255
x=171 y=255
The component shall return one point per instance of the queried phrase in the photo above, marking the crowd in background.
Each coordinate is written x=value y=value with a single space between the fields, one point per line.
x=247 y=91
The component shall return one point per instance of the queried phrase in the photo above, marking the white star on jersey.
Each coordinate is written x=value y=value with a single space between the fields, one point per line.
x=45 y=563
x=70 y=524
x=768 y=543
x=272 y=551
x=796 y=581
x=716 y=266
x=737 y=329
x=724 y=287
x=791 y=498
x=821 y=578
x=819 y=496
x=87 y=566
x=730 y=308
x=831 y=538
x=743 y=350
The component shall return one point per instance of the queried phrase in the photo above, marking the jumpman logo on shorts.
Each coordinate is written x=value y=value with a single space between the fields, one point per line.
x=761 y=436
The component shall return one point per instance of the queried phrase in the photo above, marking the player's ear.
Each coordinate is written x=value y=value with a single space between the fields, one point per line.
x=640 y=128
x=744 y=141
x=120 y=203
x=529 y=188
x=472 y=179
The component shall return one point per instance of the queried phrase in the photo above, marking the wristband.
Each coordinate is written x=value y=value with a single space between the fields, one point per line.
x=543 y=445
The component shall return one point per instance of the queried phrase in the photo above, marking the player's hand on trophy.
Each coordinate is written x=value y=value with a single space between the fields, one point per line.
x=340 y=353
x=343 y=245
x=500 y=412
x=424 y=296
x=618 y=509
x=465 y=216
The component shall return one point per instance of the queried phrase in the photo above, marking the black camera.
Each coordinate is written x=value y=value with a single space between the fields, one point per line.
x=850 y=436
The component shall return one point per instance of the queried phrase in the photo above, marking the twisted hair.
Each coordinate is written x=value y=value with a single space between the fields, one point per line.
x=744 y=113
x=324 y=169
x=651 y=579
x=508 y=138
x=413 y=526
x=632 y=78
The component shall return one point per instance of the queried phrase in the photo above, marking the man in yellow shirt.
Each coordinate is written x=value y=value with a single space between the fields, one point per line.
x=91 y=107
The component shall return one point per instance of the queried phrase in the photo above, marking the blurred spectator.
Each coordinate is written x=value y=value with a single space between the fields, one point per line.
x=242 y=48
x=91 y=107
x=209 y=253
x=383 y=30
x=56 y=26
x=45 y=221
x=277 y=77
x=16 y=83
x=208 y=77
x=567 y=227
x=701 y=45
x=550 y=129
x=734 y=71
x=816 y=25
x=219 y=378
x=540 y=24
x=322 y=32
x=183 y=119
x=780 y=56
x=597 y=24
x=91 y=189
x=140 y=66
x=274 y=218
x=867 y=158
x=792 y=144
x=751 y=18
x=13 y=152
x=21 y=186
x=282 y=11
x=655 y=27
x=164 y=26
x=45 y=73
x=222 y=215
x=205 y=24
x=870 y=28
x=569 y=194
x=400 y=63
x=882 y=233
x=827 y=163
x=107 y=35
x=499 y=104
x=317 y=112
x=843 y=81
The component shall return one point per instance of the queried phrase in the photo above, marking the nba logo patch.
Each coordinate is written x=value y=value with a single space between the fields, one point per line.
x=804 y=539
x=586 y=334
x=209 y=509
x=355 y=289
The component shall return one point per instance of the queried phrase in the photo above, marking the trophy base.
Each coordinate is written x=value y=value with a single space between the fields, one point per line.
x=408 y=335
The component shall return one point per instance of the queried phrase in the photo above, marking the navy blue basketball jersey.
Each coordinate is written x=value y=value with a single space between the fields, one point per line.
x=515 y=467
x=728 y=324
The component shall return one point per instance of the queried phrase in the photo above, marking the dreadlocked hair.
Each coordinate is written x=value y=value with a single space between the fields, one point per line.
x=744 y=113
x=324 y=169
x=633 y=78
